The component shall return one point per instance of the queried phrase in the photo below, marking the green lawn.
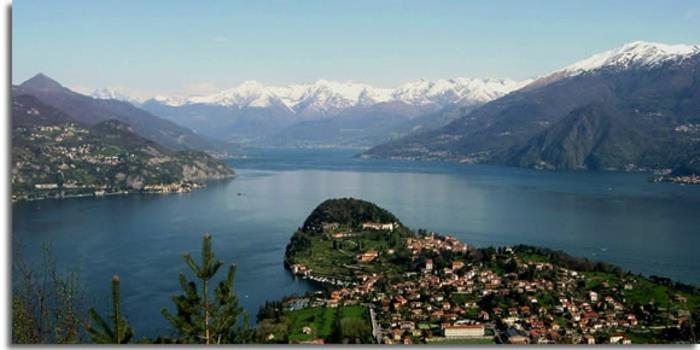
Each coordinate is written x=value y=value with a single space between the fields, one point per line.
x=355 y=311
x=593 y=279
x=323 y=259
x=645 y=291
x=322 y=321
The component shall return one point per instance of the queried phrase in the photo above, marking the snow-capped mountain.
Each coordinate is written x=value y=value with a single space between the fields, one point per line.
x=462 y=91
x=637 y=54
x=620 y=109
x=633 y=55
x=124 y=94
x=327 y=97
x=321 y=96
x=331 y=112
x=248 y=94
x=115 y=93
x=325 y=111
x=171 y=101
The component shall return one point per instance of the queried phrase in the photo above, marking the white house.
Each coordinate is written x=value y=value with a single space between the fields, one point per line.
x=378 y=226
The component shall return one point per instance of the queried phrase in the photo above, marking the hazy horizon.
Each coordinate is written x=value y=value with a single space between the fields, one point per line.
x=186 y=49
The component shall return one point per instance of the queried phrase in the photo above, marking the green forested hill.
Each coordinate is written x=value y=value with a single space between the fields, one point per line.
x=347 y=211
x=333 y=235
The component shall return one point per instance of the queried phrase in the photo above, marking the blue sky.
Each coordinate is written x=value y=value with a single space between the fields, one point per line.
x=195 y=47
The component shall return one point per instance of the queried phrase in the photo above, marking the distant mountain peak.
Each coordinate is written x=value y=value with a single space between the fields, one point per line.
x=634 y=54
x=41 y=82
x=628 y=108
x=116 y=93
x=328 y=96
x=172 y=101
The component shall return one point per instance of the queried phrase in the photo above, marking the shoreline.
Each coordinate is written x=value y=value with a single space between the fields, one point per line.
x=322 y=279
x=335 y=281
x=165 y=189
x=351 y=281
x=678 y=180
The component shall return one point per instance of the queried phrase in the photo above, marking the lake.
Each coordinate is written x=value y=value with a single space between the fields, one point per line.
x=621 y=218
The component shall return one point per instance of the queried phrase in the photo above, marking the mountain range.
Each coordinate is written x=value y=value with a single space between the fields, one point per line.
x=91 y=111
x=629 y=108
x=320 y=113
x=633 y=107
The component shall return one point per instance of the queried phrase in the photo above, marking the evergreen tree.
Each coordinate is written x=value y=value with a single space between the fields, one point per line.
x=227 y=312
x=119 y=332
x=200 y=321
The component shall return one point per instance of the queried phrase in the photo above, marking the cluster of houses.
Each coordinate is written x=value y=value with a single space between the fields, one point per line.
x=433 y=304
x=101 y=190
x=175 y=187
x=56 y=133
x=436 y=244
x=84 y=153
x=64 y=156
x=686 y=179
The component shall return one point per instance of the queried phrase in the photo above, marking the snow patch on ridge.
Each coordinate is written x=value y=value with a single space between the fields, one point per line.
x=638 y=53
x=325 y=96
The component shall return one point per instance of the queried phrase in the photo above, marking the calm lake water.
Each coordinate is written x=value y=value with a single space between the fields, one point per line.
x=615 y=217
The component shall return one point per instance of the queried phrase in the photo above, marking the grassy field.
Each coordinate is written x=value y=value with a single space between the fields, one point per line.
x=323 y=259
x=645 y=291
x=322 y=321
x=594 y=279
x=355 y=311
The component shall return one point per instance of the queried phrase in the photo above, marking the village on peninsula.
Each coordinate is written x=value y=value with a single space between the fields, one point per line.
x=380 y=282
